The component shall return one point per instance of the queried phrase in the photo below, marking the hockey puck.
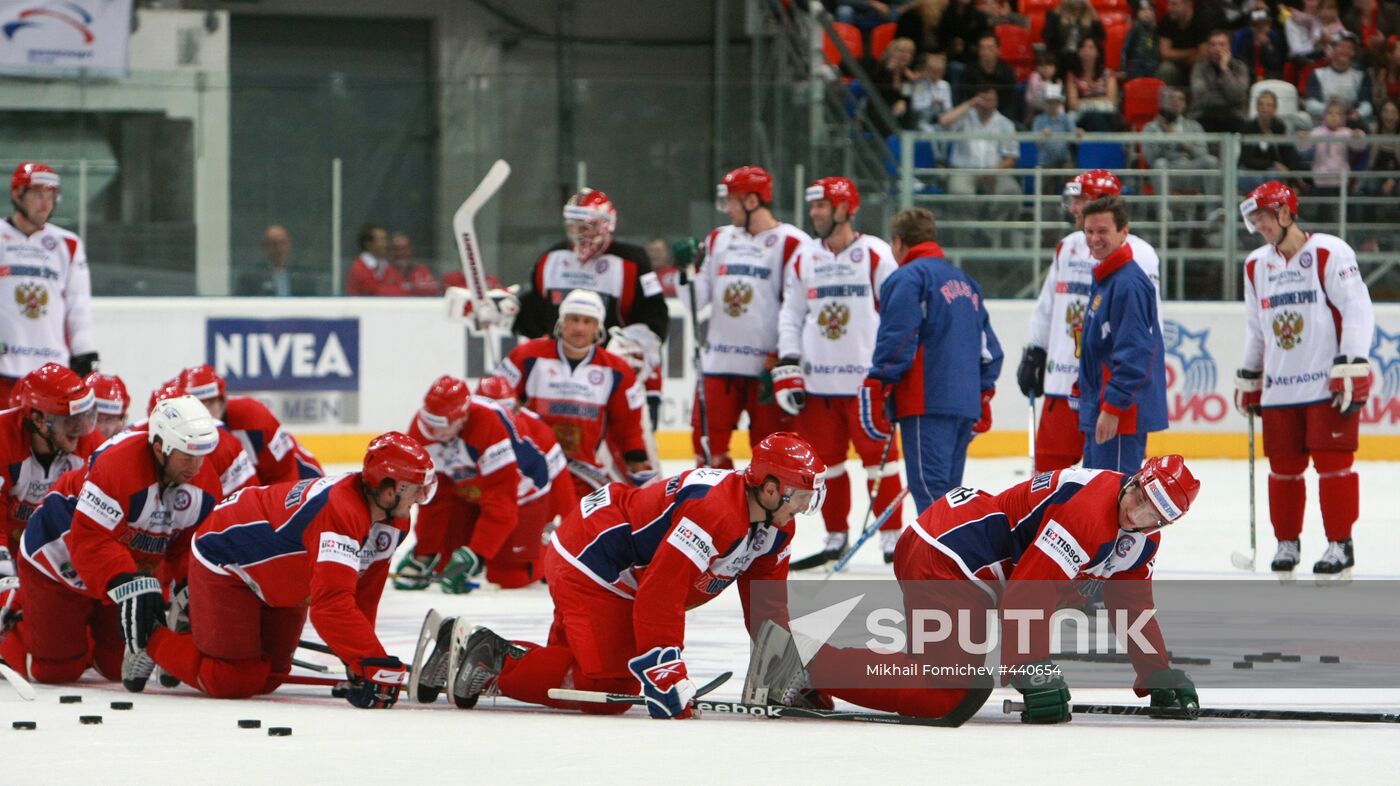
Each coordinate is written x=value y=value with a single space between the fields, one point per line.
x=1200 y=661
x=1244 y=664
x=121 y=705
x=1330 y=659
x=70 y=699
x=250 y=724
x=28 y=725
x=89 y=720
x=1274 y=655
x=1254 y=658
x=279 y=731
x=1291 y=658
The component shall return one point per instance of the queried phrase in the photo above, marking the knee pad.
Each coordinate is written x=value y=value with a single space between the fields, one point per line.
x=1288 y=467
x=1333 y=461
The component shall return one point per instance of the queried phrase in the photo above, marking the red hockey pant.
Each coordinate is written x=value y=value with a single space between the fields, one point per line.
x=725 y=398
x=1058 y=441
x=450 y=522
x=832 y=424
x=62 y=632
x=1292 y=435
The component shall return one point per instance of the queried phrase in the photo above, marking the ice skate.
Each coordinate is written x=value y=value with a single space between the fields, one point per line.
x=831 y=551
x=477 y=662
x=1336 y=563
x=1285 y=560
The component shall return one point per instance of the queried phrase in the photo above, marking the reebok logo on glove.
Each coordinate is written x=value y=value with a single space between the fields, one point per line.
x=664 y=675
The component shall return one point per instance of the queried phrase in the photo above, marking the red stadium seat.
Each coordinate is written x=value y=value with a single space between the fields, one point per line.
x=1140 y=98
x=1103 y=6
x=880 y=38
x=1113 y=45
x=1304 y=74
x=1037 y=26
x=1016 y=49
x=850 y=36
x=1042 y=7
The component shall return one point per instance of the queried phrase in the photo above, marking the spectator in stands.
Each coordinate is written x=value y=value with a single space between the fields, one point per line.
x=1066 y=28
x=1046 y=73
x=1374 y=23
x=1054 y=120
x=930 y=95
x=891 y=76
x=1093 y=90
x=1331 y=159
x=1385 y=157
x=1219 y=87
x=1273 y=160
x=918 y=21
x=1182 y=40
x=1259 y=45
x=1303 y=32
x=963 y=24
x=275 y=278
x=991 y=151
x=1330 y=17
x=414 y=279
x=370 y=267
x=989 y=70
x=1141 y=53
x=1340 y=79
x=1386 y=78
x=865 y=14
x=1000 y=12
x=1177 y=155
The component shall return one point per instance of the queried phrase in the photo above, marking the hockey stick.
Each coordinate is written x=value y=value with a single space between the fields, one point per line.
x=315 y=646
x=20 y=684
x=1031 y=436
x=696 y=354
x=309 y=666
x=1239 y=560
x=1009 y=706
x=601 y=697
x=868 y=533
x=473 y=266
x=780 y=711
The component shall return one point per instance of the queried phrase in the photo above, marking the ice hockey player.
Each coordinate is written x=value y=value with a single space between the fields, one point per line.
x=623 y=569
x=96 y=563
x=112 y=400
x=46 y=283
x=1049 y=365
x=826 y=335
x=232 y=463
x=271 y=557
x=1309 y=324
x=586 y=394
x=276 y=454
x=635 y=307
x=742 y=281
x=1019 y=551
x=48 y=434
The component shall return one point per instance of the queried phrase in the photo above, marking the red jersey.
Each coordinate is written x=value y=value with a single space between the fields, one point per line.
x=127 y=521
x=672 y=546
x=230 y=461
x=43 y=543
x=584 y=403
x=23 y=479
x=308 y=542
x=276 y=454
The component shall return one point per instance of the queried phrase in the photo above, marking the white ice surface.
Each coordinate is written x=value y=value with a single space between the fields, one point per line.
x=178 y=737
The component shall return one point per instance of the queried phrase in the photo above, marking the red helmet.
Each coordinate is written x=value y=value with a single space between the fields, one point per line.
x=592 y=207
x=203 y=382
x=498 y=390
x=446 y=403
x=1169 y=486
x=1270 y=196
x=1093 y=183
x=788 y=458
x=57 y=390
x=747 y=180
x=836 y=190
x=16 y=394
x=396 y=456
x=170 y=388
x=31 y=174
x=110 y=392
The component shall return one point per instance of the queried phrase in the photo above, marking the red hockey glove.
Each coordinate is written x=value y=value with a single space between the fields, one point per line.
x=378 y=684
x=1351 y=383
x=789 y=388
x=665 y=682
x=1249 y=388
x=984 y=424
x=875 y=417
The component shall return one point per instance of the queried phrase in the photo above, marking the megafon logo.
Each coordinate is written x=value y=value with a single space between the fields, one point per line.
x=1191 y=376
x=65 y=14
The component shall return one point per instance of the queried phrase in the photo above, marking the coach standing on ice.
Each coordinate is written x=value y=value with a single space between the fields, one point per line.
x=1122 y=371
x=936 y=348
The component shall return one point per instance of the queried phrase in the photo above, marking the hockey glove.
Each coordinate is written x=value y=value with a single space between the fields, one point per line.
x=875 y=402
x=377 y=685
x=640 y=473
x=984 y=423
x=1249 y=387
x=1030 y=375
x=9 y=604
x=788 y=386
x=1351 y=383
x=665 y=683
x=140 y=606
x=7 y=563
x=463 y=568
x=1044 y=692
x=414 y=572
x=1073 y=399
x=1172 y=689
x=84 y=364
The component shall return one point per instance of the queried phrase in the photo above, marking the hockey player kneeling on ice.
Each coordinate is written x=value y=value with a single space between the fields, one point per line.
x=623 y=569
x=96 y=561
x=1076 y=525
x=269 y=557
x=493 y=504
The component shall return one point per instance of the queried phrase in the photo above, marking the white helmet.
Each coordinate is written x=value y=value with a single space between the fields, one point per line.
x=184 y=424
x=583 y=303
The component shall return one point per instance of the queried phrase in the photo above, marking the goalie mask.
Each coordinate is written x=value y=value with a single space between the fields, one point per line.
x=590 y=221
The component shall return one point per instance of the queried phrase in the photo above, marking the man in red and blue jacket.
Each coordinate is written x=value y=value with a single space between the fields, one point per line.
x=936 y=350
x=1122 y=367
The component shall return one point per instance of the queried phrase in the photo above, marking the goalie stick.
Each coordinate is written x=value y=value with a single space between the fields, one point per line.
x=601 y=697
x=1009 y=706
x=473 y=266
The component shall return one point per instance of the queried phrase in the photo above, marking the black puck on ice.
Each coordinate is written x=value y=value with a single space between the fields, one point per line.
x=250 y=724
x=279 y=731
x=1274 y=655
x=89 y=720
x=30 y=725
x=1200 y=661
x=1330 y=659
x=1244 y=664
x=1254 y=658
x=1291 y=658
x=121 y=705
x=70 y=699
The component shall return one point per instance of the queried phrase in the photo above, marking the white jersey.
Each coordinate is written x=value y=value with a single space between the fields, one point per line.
x=1058 y=317
x=743 y=274
x=1300 y=313
x=45 y=299
x=831 y=312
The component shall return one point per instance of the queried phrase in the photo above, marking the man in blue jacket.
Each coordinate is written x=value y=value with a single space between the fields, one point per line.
x=937 y=350
x=1122 y=367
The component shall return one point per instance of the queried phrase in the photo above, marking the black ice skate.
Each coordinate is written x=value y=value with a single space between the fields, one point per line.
x=888 y=540
x=136 y=670
x=1336 y=562
x=477 y=662
x=831 y=551
x=178 y=620
x=429 y=675
x=1286 y=558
